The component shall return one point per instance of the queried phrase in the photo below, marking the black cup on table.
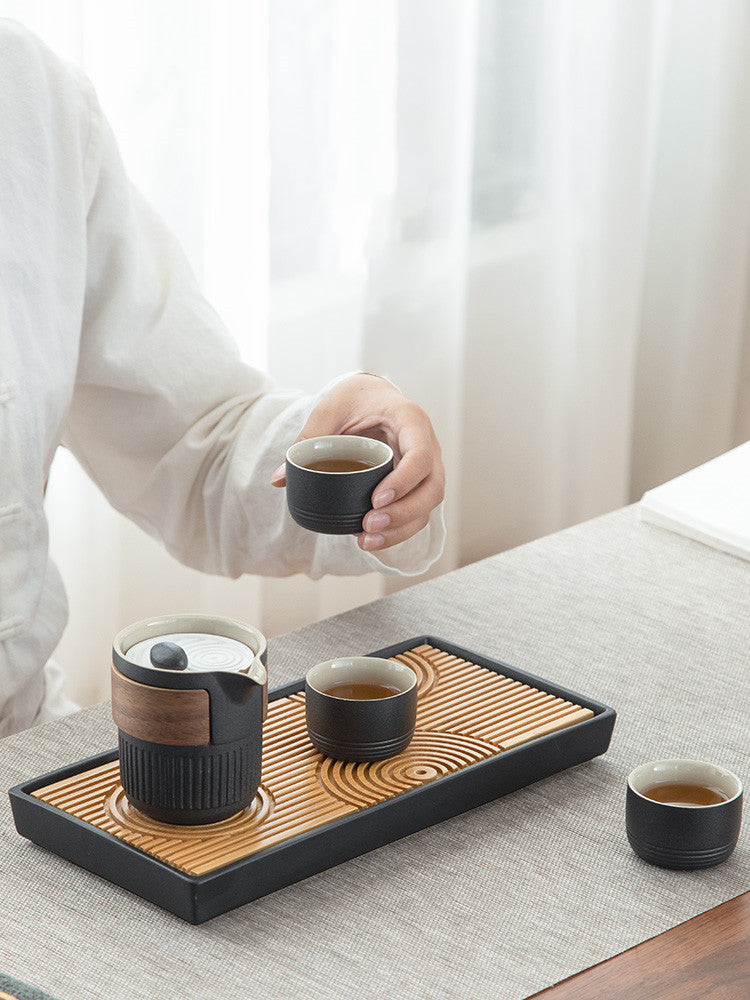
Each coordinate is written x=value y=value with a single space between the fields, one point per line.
x=683 y=814
x=360 y=708
x=330 y=481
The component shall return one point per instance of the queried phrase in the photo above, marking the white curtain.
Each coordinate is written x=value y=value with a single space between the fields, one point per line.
x=533 y=215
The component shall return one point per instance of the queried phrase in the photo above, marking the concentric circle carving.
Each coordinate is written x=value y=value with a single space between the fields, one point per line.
x=428 y=756
x=427 y=675
x=120 y=811
x=305 y=791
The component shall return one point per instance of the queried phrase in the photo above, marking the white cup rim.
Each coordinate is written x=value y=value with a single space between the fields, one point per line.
x=345 y=446
x=361 y=668
x=687 y=770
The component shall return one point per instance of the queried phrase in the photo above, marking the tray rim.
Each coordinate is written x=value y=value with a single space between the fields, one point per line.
x=194 y=893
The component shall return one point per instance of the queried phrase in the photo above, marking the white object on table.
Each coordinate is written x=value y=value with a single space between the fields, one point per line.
x=710 y=504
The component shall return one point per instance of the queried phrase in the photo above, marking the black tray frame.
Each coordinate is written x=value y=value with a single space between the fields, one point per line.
x=197 y=898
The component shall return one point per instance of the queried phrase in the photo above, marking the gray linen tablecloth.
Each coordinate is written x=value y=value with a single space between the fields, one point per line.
x=496 y=903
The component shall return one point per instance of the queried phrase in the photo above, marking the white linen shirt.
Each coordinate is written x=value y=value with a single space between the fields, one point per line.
x=108 y=347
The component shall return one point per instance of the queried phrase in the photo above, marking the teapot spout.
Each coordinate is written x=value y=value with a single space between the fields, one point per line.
x=236 y=699
x=256 y=672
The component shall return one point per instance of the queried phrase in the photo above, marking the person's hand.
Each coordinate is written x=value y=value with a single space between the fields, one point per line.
x=372 y=407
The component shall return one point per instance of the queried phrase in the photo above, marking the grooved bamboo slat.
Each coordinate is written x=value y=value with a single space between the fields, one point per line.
x=466 y=714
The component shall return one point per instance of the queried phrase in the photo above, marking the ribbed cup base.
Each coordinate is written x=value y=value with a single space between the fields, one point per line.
x=360 y=752
x=339 y=524
x=189 y=785
x=665 y=857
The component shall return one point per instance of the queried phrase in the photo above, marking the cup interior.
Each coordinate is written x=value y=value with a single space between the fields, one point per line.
x=682 y=771
x=342 y=447
x=361 y=670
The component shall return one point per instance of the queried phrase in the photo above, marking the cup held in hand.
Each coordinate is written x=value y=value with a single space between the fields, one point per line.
x=330 y=481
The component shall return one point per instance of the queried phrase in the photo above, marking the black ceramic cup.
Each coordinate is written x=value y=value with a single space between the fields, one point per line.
x=345 y=725
x=330 y=481
x=675 y=834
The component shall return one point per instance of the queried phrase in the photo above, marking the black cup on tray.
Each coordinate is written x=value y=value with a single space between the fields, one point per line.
x=360 y=708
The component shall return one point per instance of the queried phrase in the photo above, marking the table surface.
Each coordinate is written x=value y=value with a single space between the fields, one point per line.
x=503 y=901
x=705 y=958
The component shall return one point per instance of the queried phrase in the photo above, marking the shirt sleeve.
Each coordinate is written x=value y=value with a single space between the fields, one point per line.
x=180 y=435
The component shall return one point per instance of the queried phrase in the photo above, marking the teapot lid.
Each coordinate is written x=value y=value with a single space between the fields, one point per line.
x=192 y=652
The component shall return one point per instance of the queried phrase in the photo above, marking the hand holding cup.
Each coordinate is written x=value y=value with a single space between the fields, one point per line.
x=367 y=405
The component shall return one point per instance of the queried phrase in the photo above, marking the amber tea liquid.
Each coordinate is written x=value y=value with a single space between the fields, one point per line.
x=678 y=793
x=339 y=465
x=361 y=692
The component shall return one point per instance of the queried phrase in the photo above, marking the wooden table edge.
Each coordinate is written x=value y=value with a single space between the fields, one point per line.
x=707 y=955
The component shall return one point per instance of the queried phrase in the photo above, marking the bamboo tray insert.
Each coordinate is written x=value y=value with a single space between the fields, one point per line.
x=466 y=714
x=484 y=729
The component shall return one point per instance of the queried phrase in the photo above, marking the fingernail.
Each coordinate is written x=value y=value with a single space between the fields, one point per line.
x=383 y=498
x=279 y=473
x=376 y=522
x=370 y=542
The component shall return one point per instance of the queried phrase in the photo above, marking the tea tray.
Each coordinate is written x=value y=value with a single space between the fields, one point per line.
x=483 y=729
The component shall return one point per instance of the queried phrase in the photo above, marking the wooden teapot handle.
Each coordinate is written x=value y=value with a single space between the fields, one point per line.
x=172 y=716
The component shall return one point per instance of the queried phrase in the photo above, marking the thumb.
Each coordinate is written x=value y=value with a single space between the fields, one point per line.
x=320 y=423
x=330 y=415
x=315 y=426
x=278 y=478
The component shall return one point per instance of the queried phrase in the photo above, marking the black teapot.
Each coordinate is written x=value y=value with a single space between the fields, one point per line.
x=189 y=696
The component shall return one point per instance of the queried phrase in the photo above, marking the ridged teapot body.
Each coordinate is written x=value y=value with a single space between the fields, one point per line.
x=189 y=695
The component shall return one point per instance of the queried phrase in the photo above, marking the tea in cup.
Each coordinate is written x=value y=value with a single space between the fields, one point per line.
x=360 y=708
x=683 y=814
x=330 y=481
